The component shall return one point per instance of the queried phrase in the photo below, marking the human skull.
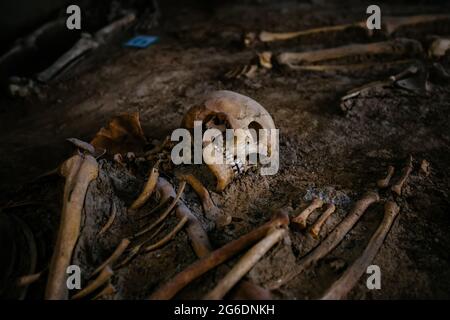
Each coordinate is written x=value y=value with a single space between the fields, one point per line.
x=223 y=110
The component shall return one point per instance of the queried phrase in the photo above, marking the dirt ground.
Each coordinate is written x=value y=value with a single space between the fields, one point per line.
x=323 y=151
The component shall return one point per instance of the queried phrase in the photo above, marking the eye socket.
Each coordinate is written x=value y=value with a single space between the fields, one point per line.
x=255 y=132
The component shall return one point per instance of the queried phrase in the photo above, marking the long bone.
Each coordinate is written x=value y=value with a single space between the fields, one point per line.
x=303 y=216
x=332 y=240
x=315 y=229
x=340 y=289
x=245 y=264
x=217 y=257
x=390 y=25
x=397 y=187
x=398 y=48
x=79 y=171
x=265 y=36
x=83 y=46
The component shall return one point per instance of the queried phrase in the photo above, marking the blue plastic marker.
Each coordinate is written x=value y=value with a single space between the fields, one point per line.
x=141 y=41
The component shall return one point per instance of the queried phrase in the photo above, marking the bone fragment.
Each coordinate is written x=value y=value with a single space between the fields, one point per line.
x=384 y=183
x=79 y=172
x=340 y=289
x=302 y=218
x=315 y=230
x=392 y=24
x=245 y=264
x=215 y=258
x=397 y=187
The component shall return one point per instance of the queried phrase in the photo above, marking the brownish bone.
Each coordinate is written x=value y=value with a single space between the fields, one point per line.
x=28 y=279
x=245 y=264
x=107 y=291
x=210 y=208
x=201 y=245
x=397 y=187
x=265 y=36
x=166 y=212
x=302 y=218
x=247 y=290
x=167 y=237
x=217 y=257
x=333 y=239
x=398 y=47
x=384 y=183
x=392 y=24
x=123 y=245
x=110 y=221
x=148 y=189
x=199 y=238
x=102 y=278
x=315 y=230
x=79 y=171
x=340 y=289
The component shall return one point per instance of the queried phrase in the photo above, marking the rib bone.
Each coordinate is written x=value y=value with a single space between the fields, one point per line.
x=79 y=171
x=245 y=264
x=215 y=258
x=347 y=281
x=102 y=278
x=302 y=218
x=148 y=189
x=123 y=245
x=333 y=239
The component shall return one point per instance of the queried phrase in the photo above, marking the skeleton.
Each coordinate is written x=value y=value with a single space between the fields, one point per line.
x=83 y=46
x=347 y=281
